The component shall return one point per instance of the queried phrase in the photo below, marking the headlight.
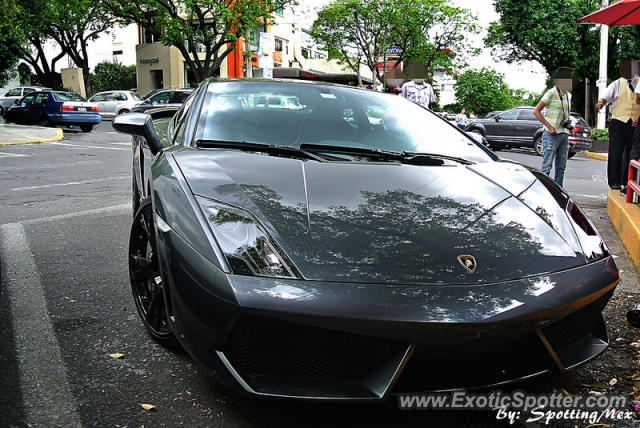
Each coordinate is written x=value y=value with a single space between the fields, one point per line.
x=244 y=242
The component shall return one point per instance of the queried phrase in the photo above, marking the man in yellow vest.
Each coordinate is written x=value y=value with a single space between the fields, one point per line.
x=624 y=118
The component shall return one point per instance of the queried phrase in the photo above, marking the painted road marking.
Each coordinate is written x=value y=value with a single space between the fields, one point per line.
x=123 y=208
x=46 y=392
x=83 y=146
x=12 y=155
x=71 y=183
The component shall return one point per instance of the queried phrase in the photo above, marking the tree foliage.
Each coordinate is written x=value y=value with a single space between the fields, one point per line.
x=112 y=75
x=204 y=31
x=429 y=32
x=482 y=91
x=547 y=31
x=523 y=97
x=12 y=41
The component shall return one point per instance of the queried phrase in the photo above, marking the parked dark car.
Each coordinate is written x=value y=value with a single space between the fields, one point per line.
x=163 y=98
x=310 y=253
x=518 y=127
x=493 y=113
x=60 y=108
x=9 y=98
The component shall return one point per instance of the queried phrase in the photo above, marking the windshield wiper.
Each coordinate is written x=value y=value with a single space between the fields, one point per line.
x=258 y=147
x=403 y=157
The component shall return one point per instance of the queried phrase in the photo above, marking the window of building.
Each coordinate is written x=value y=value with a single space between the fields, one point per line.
x=318 y=55
x=306 y=53
x=254 y=37
x=279 y=45
x=145 y=36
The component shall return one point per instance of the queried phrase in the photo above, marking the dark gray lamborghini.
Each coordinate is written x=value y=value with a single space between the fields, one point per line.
x=316 y=241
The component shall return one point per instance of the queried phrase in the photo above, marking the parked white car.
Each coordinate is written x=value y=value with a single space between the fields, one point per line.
x=113 y=103
x=9 y=98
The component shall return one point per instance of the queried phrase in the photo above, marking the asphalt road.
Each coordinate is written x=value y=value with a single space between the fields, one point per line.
x=65 y=305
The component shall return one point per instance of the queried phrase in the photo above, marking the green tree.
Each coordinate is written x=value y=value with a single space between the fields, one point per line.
x=204 y=31
x=72 y=24
x=12 y=40
x=522 y=97
x=112 y=75
x=482 y=91
x=425 y=31
x=547 y=31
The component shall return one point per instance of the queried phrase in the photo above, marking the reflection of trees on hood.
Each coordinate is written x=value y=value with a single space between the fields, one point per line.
x=397 y=236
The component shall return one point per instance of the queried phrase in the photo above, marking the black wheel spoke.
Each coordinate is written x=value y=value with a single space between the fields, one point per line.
x=155 y=312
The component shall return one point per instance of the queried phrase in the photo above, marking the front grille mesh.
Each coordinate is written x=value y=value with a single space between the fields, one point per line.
x=577 y=326
x=261 y=346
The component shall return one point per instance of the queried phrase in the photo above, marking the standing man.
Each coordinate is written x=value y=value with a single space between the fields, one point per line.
x=556 y=103
x=418 y=91
x=461 y=119
x=624 y=118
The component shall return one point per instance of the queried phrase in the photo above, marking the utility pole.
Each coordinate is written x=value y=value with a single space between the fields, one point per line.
x=602 y=78
x=247 y=53
x=587 y=107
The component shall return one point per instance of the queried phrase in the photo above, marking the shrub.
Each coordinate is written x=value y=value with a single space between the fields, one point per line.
x=108 y=76
x=600 y=134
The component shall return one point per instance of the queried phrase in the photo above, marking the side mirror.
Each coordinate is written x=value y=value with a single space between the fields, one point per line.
x=16 y=102
x=496 y=118
x=139 y=125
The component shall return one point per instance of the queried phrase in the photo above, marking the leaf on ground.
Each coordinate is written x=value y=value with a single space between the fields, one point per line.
x=148 y=407
x=595 y=385
x=116 y=355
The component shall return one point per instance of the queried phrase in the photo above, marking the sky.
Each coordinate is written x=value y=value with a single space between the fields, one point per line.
x=526 y=74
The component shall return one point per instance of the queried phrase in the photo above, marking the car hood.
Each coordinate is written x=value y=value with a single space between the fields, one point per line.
x=389 y=222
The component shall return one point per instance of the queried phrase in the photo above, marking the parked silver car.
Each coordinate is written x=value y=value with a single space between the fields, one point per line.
x=9 y=98
x=113 y=103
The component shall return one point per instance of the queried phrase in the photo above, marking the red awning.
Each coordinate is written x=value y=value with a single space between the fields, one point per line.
x=624 y=12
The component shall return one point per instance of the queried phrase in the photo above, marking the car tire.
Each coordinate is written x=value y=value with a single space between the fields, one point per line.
x=123 y=111
x=482 y=138
x=538 y=147
x=1 y=111
x=86 y=128
x=44 y=121
x=147 y=285
x=571 y=154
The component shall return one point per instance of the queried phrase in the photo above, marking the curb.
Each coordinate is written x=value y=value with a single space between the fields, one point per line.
x=601 y=156
x=626 y=220
x=59 y=136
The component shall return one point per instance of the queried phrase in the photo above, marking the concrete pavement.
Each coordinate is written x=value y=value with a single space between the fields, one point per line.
x=19 y=134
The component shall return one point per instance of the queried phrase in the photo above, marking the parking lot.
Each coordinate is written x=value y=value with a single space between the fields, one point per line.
x=63 y=240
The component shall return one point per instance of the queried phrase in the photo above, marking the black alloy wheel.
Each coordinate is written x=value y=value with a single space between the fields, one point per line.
x=86 y=128
x=537 y=146
x=571 y=154
x=146 y=281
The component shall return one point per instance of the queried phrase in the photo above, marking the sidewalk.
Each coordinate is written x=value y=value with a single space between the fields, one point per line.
x=626 y=220
x=19 y=134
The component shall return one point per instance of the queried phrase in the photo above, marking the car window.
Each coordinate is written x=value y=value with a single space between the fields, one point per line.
x=135 y=96
x=28 y=99
x=29 y=90
x=98 y=97
x=509 y=115
x=177 y=124
x=13 y=93
x=330 y=115
x=161 y=98
x=41 y=98
x=119 y=96
x=526 y=114
x=67 y=96
x=579 y=120
x=179 y=97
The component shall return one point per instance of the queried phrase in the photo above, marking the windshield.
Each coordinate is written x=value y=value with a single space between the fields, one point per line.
x=328 y=115
x=67 y=96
